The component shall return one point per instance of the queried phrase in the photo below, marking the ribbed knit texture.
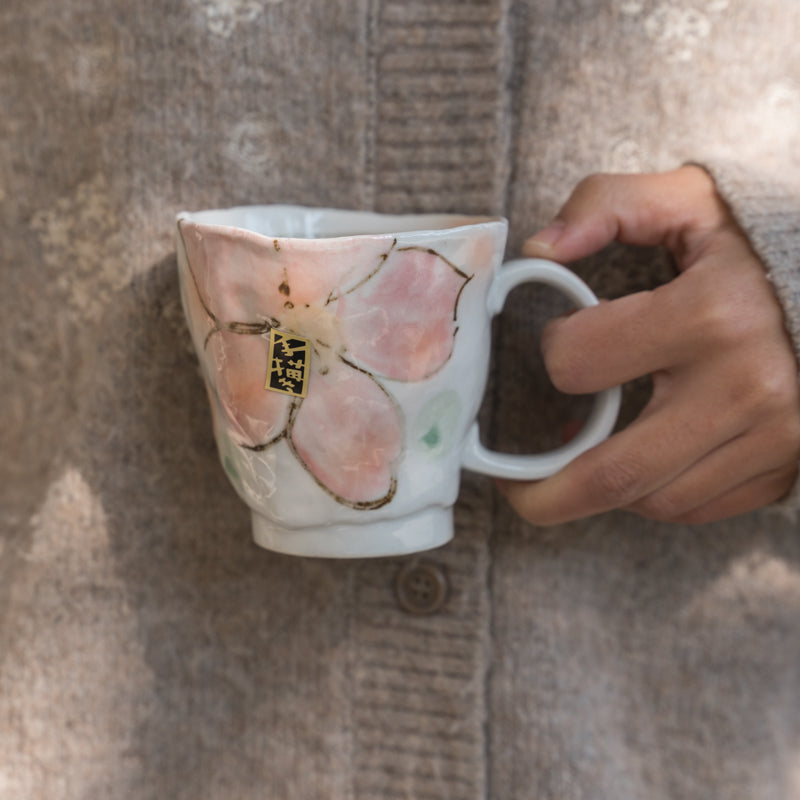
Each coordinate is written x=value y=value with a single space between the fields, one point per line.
x=769 y=212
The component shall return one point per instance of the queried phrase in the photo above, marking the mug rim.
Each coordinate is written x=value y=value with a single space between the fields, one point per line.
x=377 y=223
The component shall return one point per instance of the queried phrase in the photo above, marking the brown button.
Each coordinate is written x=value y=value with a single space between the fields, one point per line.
x=421 y=587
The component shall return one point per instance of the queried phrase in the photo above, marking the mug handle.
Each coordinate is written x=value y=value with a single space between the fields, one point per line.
x=598 y=426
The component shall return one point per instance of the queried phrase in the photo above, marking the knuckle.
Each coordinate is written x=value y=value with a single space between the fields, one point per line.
x=598 y=189
x=776 y=391
x=731 y=313
x=619 y=481
x=593 y=184
x=771 y=391
x=593 y=191
x=662 y=506
x=721 y=320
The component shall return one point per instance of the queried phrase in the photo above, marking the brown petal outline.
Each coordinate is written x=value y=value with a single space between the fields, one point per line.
x=260 y=328
x=364 y=505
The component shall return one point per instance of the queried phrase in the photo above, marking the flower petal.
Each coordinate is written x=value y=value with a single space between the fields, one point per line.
x=237 y=274
x=401 y=322
x=244 y=283
x=245 y=277
x=317 y=270
x=236 y=366
x=348 y=434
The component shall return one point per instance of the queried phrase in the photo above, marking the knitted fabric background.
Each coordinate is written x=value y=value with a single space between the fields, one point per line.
x=147 y=648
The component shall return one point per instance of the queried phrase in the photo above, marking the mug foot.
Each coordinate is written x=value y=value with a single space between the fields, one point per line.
x=423 y=530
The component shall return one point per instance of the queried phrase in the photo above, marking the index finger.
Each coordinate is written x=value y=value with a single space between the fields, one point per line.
x=645 y=210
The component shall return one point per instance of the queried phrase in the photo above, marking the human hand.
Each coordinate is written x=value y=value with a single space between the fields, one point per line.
x=721 y=433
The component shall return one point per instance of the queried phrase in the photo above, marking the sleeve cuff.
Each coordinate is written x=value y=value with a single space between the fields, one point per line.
x=769 y=213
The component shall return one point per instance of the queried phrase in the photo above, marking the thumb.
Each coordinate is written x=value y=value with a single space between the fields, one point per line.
x=646 y=210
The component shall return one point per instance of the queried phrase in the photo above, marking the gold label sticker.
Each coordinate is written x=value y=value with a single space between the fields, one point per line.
x=289 y=358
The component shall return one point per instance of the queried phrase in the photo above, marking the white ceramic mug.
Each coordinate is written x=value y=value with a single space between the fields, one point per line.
x=346 y=355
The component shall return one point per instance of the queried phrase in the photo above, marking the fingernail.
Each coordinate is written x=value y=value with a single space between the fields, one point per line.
x=546 y=239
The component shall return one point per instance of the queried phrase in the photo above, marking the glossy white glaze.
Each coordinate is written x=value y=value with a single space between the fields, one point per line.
x=397 y=312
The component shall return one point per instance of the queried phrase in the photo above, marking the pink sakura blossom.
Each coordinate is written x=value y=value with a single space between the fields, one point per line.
x=370 y=310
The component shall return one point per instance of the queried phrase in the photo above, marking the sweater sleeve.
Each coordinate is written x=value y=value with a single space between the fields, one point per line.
x=769 y=213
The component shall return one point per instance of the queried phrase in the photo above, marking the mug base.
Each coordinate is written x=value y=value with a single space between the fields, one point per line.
x=423 y=530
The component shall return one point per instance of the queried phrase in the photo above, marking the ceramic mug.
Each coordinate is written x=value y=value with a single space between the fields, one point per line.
x=345 y=355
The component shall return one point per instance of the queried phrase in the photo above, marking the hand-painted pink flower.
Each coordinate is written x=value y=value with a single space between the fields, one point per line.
x=368 y=308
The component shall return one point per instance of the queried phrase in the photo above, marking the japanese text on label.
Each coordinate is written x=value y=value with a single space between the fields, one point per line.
x=289 y=357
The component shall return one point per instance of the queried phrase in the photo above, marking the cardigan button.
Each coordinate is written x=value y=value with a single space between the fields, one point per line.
x=421 y=587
